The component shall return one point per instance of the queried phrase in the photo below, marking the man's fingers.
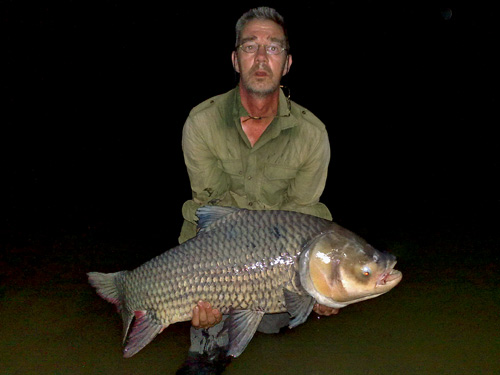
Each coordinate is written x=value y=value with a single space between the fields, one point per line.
x=218 y=315
x=204 y=316
x=325 y=310
x=196 y=317
x=215 y=317
x=203 y=313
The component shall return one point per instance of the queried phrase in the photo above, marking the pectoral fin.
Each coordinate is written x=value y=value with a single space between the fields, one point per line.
x=241 y=326
x=299 y=307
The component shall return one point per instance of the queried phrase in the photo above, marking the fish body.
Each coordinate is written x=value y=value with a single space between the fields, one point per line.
x=247 y=263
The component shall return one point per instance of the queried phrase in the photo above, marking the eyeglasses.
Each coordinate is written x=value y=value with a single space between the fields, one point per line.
x=288 y=103
x=271 y=49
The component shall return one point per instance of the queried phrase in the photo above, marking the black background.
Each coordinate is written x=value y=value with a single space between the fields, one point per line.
x=95 y=94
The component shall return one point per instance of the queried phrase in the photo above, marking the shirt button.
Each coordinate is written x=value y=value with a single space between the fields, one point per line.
x=250 y=204
x=249 y=178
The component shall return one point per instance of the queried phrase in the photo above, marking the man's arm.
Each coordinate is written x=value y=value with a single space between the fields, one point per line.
x=308 y=185
x=207 y=179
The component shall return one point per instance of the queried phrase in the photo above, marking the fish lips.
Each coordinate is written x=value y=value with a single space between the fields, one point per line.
x=391 y=277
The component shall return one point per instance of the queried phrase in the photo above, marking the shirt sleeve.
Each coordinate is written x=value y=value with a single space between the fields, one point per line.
x=306 y=188
x=209 y=184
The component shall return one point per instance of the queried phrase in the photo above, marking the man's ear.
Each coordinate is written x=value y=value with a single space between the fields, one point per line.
x=288 y=63
x=234 y=58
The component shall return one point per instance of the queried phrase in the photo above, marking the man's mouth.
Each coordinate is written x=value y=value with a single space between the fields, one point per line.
x=261 y=73
x=261 y=70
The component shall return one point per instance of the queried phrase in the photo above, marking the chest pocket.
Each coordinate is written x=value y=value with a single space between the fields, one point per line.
x=276 y=182
x=234 y=169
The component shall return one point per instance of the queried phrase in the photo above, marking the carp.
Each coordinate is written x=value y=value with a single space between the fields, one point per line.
x=247 y=263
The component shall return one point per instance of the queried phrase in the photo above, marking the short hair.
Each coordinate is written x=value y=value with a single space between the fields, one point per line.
x=261 y=13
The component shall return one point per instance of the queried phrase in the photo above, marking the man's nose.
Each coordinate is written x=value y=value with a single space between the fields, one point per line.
x=261 y=54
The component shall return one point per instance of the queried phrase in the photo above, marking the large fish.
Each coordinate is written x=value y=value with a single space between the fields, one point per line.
x=247 y=263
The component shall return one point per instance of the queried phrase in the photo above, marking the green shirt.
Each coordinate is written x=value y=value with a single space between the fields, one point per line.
x=286 y=169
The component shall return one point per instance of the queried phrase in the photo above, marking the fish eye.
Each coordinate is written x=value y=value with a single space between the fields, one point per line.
x=366 y=271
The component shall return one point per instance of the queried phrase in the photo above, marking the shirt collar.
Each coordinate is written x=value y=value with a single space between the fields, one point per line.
x=288 y=121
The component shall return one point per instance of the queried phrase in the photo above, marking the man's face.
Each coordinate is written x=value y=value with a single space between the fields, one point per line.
x=260 y=73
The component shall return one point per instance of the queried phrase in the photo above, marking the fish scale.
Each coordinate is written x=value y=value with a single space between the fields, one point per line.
x=237 y=263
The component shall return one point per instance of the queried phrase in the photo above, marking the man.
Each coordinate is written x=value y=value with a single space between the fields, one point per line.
x=254 y=148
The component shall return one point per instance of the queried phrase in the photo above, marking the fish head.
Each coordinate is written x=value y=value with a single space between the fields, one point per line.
x=339 y=268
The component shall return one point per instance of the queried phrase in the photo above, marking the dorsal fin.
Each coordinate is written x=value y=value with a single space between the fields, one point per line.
x=207 y=215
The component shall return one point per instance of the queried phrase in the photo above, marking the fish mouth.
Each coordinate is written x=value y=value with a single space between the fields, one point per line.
x=389 y=277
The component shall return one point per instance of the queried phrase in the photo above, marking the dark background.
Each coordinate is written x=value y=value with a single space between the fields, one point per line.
x=95 y=94
x=92 y=178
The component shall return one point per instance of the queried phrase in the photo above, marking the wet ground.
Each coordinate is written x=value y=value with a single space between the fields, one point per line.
x=442 y=319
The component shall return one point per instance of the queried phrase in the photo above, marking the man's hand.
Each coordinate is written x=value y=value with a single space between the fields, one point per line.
x=204 y=316
x=324 y=310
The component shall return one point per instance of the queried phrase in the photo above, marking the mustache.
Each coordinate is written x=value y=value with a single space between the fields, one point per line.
x=261 y=66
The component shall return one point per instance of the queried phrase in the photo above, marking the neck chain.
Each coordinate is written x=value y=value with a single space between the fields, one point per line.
x=255 y=118
x=289 y=105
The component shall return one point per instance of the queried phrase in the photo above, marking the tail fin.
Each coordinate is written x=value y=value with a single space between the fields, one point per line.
x=146 y=326
x=106 y=286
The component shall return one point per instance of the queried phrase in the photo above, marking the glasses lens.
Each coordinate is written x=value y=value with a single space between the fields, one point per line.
x=249 y=47
x=274 y=49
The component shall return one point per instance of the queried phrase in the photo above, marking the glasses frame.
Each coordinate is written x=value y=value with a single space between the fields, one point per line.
x=261 y=45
